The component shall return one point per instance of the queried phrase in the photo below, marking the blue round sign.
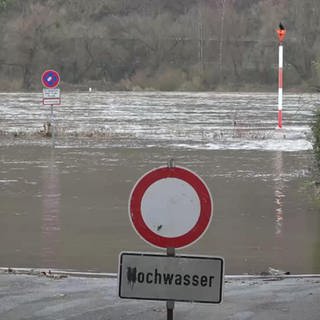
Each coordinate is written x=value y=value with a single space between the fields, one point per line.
x=50 y=79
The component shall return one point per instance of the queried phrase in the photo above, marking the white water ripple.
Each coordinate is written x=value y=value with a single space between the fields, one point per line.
x=218 y=121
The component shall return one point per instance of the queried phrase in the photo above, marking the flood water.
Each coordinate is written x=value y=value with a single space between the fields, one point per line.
x=67 y=206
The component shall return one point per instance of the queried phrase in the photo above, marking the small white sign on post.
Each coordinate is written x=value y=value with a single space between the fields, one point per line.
x=51 y=96
x=180 y=278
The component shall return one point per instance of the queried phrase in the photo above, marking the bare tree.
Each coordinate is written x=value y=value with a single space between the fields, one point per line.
x=26 y=39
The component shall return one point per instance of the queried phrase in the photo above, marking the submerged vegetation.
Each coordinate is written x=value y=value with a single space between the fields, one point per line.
x=159 y=44
x=316 y=136
x=314 y=184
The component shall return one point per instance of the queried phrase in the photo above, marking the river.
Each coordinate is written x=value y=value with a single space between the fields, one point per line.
x=67 y=206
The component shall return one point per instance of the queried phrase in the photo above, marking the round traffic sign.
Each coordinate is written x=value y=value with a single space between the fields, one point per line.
x=50 y=79
x=170 y=207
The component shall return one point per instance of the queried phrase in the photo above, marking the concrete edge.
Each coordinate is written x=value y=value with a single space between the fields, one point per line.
x=58 y=272
x=48 y=271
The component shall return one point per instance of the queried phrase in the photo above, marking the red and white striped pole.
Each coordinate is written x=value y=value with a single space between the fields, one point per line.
x=281 y=34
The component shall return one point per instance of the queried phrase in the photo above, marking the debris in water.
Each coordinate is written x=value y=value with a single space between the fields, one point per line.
x=274 y=272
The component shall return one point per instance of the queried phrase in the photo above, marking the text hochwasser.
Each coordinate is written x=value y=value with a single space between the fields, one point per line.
x=169 y=279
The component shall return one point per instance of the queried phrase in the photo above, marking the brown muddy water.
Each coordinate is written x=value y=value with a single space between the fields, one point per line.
x=67 y=208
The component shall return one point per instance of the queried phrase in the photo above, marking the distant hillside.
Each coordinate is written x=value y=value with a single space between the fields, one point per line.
x=159 y=44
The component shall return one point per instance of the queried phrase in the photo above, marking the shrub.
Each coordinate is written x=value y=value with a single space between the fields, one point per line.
x=168 y=79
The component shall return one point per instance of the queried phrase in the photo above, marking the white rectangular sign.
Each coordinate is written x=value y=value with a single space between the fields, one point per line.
x=178 y=278
x=51 y=96
x=51 y=102
x=51 y=93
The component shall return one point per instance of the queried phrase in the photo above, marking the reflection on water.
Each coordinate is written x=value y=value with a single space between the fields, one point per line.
x=279 y=194
x=316 y=254
x=254 y=226
x=50 y=227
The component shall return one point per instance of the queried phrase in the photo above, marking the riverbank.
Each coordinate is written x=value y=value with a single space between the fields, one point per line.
x=40 y=294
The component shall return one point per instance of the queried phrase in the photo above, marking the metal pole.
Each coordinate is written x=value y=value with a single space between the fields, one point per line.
x=171 y=163
x=170 y=303
x=171 y=252
x=221 y=39
x=170 y=308
x=281 y=35
x=280 y=86
x=52 y=125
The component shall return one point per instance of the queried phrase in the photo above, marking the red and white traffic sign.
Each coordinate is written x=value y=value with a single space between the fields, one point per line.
x=170 y=207
x=50 y=79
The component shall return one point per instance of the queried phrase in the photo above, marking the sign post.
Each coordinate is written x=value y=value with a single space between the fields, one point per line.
x=281 y=35
x=171 y=252
x=51 y=95
x=170 y=207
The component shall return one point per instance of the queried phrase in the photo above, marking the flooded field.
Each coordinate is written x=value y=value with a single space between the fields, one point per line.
x=67 y=207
